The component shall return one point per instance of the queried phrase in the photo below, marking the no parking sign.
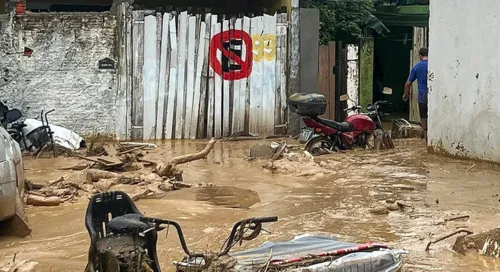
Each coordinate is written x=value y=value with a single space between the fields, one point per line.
x=237 y=56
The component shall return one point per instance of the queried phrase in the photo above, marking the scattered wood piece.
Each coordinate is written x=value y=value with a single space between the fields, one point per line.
x=78 y=167
x=148 y=194
x=37 y=200
x=132 y=150
x=457 y=218
x=447 y=236
x=94 y=175
x=279 y=153
x=242 y=138
x=33 y=186
x=166 y=170
x=54 y=182
x=470 y=168
x=178 y=184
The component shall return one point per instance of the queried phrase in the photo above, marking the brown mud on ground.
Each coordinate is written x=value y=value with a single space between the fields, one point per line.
x=335 y=197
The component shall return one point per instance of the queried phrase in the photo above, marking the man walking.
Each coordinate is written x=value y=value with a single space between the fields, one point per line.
x=419 y=73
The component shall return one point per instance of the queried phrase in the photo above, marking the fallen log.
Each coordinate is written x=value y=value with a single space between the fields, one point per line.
x=166 y=170
x=36 y=200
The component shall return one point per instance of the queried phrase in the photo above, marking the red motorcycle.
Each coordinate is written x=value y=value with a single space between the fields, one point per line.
x=356 y=131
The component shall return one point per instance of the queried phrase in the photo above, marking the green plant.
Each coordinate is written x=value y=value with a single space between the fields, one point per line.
x=341 y=19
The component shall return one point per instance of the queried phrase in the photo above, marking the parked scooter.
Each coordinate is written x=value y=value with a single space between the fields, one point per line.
x=356 y=131
x=123 y=239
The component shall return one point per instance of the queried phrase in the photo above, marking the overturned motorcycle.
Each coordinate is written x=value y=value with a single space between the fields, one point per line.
x=123 y=239
x=358 y=129
x=40 y=138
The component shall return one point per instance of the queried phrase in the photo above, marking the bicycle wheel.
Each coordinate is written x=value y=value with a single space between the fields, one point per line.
x=48 y=151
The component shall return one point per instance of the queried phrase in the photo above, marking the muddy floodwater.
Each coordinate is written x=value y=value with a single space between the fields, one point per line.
x=334 y=202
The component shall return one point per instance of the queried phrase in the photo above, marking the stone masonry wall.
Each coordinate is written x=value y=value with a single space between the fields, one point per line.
x=62 y=73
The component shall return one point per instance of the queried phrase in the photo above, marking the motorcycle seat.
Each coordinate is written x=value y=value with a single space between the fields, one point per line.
x=128 y=224
x=342 y=127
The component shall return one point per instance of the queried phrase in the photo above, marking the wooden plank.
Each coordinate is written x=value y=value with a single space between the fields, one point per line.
x=130 y=75
x=255 y=118
x=352 y=75
x=226 y=119
x=163 y=76
x=138 y=63
x=150 y=76
x=191 y=72
x=324 y=75
x=180 y=117
x=199 y=99
x=204 y=74
x=269 y=75
x=245 y=84
x=121 y=99
x=172 y=81
x=218 y=91
x=283 y=30
x=239 y=86
x=419 y=41
x=331 y=80
x=211 y=85
x=159 y=27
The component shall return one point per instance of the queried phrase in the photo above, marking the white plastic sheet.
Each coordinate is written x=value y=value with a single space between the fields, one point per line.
x=62 y=136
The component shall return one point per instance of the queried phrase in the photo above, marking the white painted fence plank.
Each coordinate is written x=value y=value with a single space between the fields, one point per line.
x=226 y=89
x=282 y=32
x=352 y=75
x=211 y=85
x=172 y=84
x=205 y=77
x=137 y=74
x=218 y=90
x=190 y=79
x=269 y=75
x=238 y=114
x=246 y=82
x=198 y=103
x=163 y=76
x=150 y=76
x=181 y=76
x=256 y=76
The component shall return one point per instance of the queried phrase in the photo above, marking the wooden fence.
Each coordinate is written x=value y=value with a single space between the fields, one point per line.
x=196 y=76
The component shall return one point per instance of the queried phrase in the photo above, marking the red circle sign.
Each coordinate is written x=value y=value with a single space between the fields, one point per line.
x=245 y=64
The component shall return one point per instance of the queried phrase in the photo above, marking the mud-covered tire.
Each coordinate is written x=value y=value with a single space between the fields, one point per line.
x=60 y=151
x=326 y=143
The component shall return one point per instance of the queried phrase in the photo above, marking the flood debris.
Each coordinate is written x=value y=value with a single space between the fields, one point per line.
x=19 y=266
x=427 y=248
x=125 y=167
x=486 y=243
x=403 y=129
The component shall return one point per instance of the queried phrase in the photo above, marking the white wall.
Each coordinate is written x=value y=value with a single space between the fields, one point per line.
x=62 y=73
x=464 y=78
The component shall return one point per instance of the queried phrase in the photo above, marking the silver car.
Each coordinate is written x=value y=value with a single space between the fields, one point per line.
x=11 y=171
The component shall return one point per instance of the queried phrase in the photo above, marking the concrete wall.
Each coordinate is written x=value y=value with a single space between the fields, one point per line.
x=309 y=46
x=62 y=73
x=464 y=99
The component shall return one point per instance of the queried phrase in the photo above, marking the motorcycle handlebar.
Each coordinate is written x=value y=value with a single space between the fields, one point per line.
x=269 y=219
x=256 y=220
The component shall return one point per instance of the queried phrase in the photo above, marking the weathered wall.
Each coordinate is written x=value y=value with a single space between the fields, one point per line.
x=63 y=73
x=464 y=78
x=309 y=42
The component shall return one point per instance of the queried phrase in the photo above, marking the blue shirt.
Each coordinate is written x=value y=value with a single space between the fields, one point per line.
x=419 y=73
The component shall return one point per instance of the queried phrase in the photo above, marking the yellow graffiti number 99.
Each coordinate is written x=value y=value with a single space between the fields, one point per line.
x=264 y=47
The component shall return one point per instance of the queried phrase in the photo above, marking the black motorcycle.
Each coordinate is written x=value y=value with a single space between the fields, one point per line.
x=123 y=239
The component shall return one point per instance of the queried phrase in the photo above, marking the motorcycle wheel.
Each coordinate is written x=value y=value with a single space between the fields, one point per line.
x=320 y=145
x=46 y=152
